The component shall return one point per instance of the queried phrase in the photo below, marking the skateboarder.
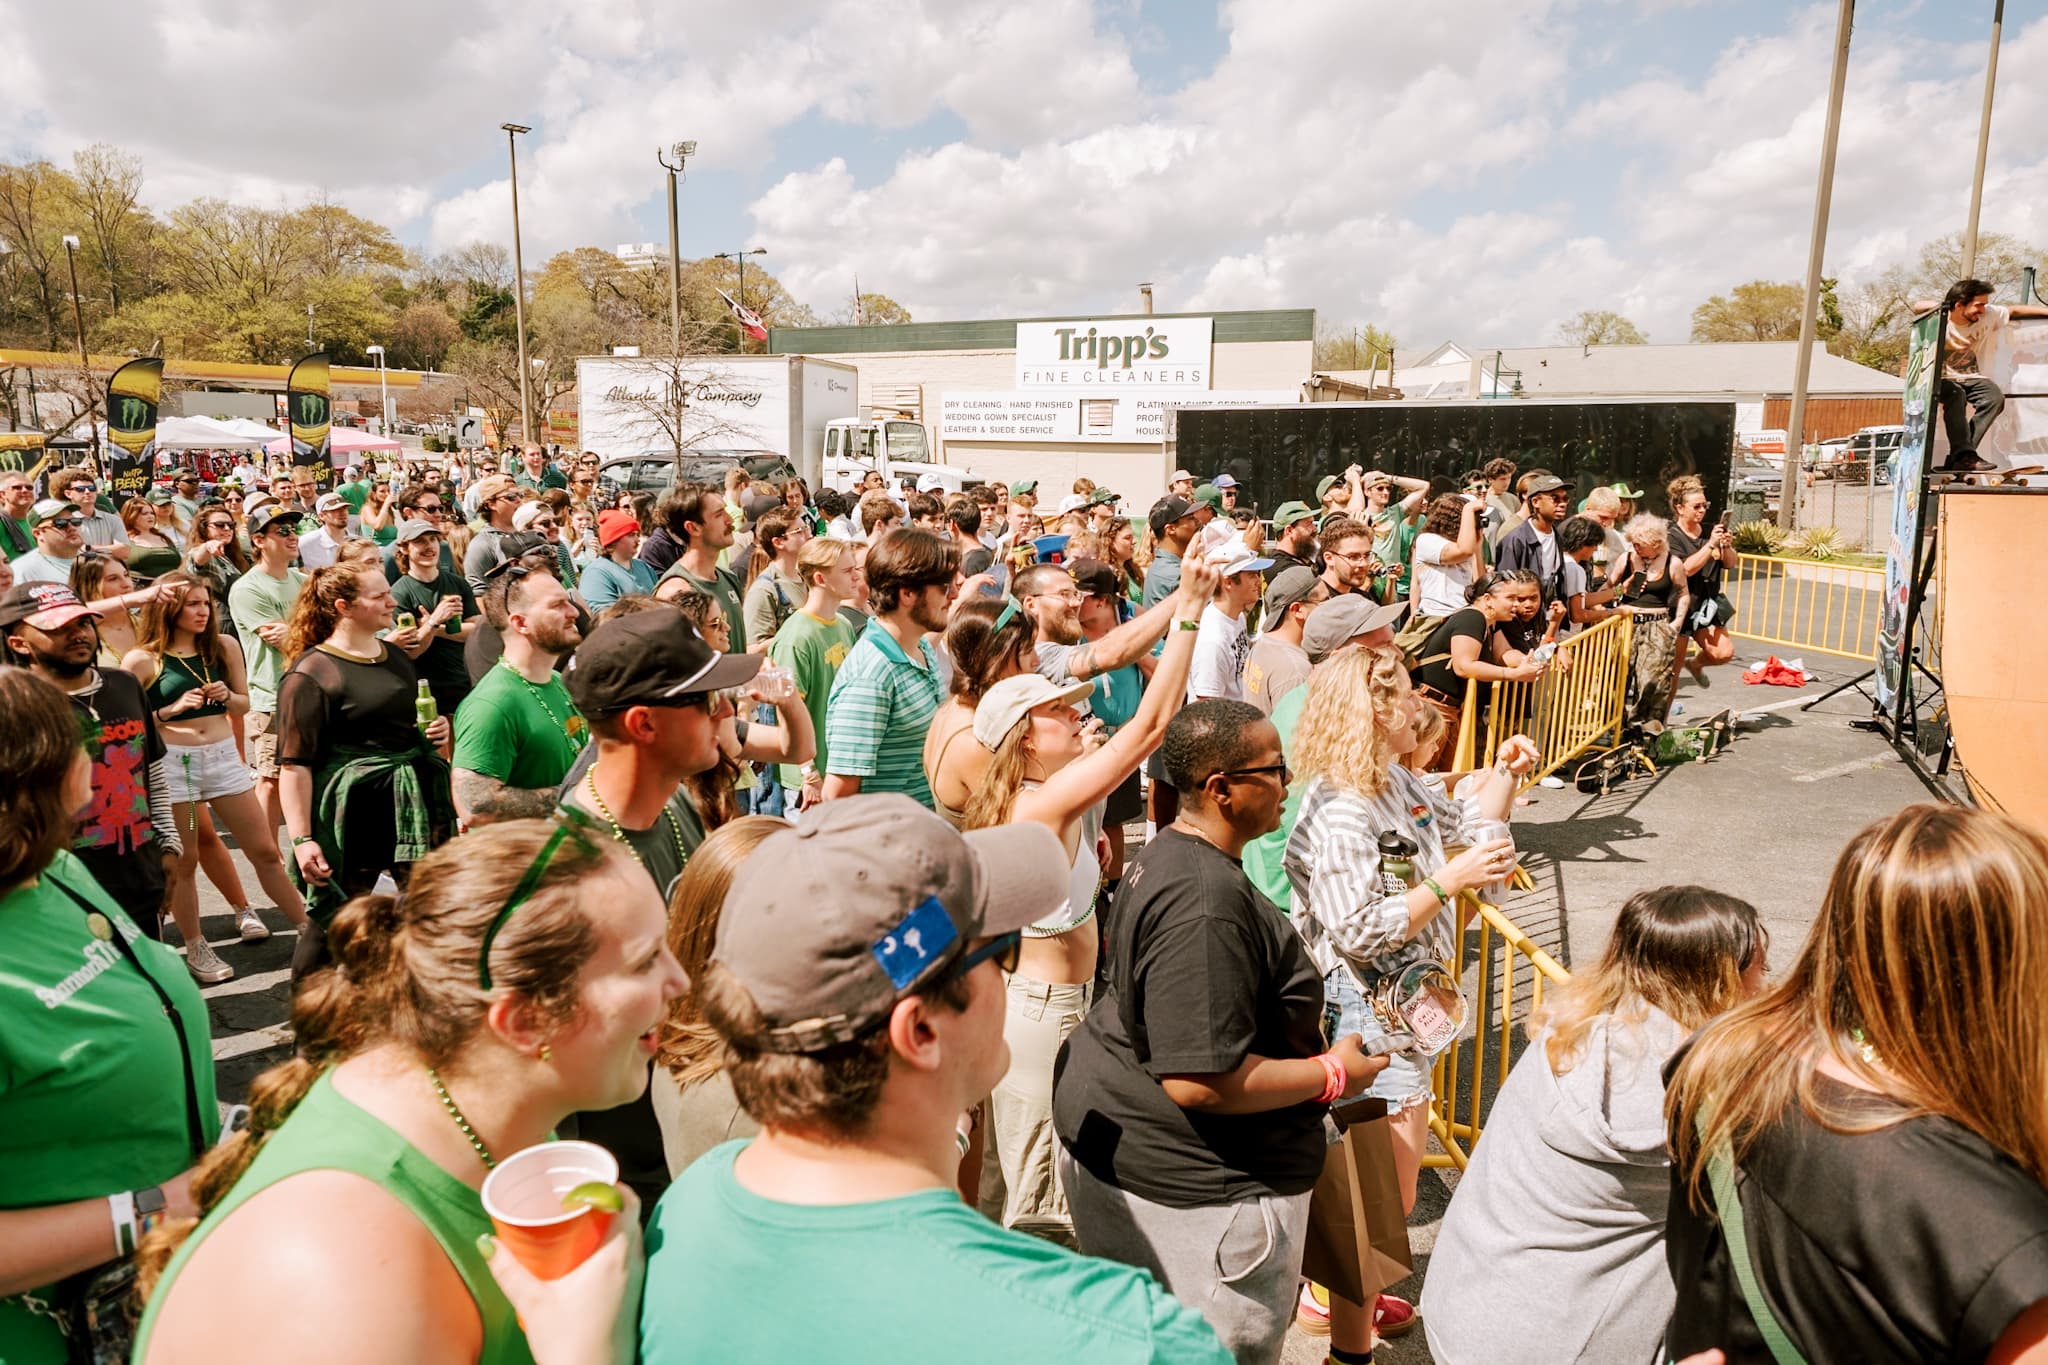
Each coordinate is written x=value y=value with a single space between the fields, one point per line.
x=1970 y=403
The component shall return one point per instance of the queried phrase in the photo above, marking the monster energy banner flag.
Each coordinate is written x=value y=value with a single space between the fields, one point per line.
x=306 y=410
x=132 y=395
x=1908 y=468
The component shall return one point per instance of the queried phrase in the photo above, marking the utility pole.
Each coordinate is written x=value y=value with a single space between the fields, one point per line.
x=1816 y=249
x=383 y=392
x=309 y=327
x=1983 y=143
x=512 y=132
x=682 y=152
x=92 y=401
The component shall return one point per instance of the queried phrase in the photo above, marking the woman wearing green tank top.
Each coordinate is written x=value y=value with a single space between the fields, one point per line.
x=523 y=977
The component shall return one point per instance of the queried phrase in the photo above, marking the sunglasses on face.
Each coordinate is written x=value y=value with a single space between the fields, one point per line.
x=1281 y=770
x=1004 y=950
x=65 y=523
x=81 y=488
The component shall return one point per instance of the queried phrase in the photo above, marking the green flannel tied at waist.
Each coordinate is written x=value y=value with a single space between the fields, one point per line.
x=421 y=804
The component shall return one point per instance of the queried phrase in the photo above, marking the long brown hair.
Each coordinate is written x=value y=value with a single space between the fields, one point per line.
x=994 y=797
x=405 y=972
x=1679 y=949
x=772 y=526
x=319 y=606
x=690 y=1048
x=1931 y=947
x=984 y=653
x=231 y=548
x=38 y=745
x=158 y=620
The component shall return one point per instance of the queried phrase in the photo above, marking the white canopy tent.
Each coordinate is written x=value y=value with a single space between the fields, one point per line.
x=207 y=433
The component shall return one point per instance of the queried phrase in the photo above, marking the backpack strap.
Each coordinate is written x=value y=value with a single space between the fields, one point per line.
x=1728 y=1204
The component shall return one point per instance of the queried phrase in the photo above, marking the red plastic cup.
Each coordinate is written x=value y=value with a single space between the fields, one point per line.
x=523 y=1197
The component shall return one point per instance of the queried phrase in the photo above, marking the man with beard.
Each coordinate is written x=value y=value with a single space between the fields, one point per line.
x=701 y=524
x=1054 y=596
x=518 y=733
x=883 y=700
x=1293 y=542
x=127 y=837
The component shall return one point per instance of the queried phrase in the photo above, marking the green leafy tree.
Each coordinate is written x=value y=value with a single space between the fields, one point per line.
x=1600 y=327
x=1353 y=347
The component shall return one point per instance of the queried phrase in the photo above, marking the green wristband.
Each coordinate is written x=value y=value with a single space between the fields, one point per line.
x=1443 y=897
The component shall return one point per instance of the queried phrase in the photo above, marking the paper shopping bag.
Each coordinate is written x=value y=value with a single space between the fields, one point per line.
x=1357 y=1233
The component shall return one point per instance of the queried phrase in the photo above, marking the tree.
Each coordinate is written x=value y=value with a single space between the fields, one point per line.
x=2001 y=261
x=421 y=336
x=876 y=310
x=1600 y=327
x=106 y=185
x=1761 y=310
x=1352 y=347
x=34 y=213
x=658 y=414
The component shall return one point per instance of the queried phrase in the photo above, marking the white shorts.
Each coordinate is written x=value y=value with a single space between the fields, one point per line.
x=202 y=772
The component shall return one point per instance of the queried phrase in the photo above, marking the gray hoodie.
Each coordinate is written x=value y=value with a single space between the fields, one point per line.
x=1553 y=1247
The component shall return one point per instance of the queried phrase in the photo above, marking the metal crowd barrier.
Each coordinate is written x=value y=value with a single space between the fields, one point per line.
x=1467 y=1076
x=1800 y=604
x=1567 y=711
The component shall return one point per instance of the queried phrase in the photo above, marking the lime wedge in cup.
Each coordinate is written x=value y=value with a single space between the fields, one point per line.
x=594 y=1194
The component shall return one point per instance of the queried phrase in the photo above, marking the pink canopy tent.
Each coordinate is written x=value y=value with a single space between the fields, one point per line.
x=343 y=441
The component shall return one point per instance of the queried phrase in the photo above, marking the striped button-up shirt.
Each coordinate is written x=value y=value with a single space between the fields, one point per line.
x=877 y=714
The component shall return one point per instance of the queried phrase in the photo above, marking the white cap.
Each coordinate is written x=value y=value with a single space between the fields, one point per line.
x=1234 y=556
x=327 y=502
x=930 y=483
x=1180 y=474
x=529 y=511
x=1003 y=705
x=1072 y=502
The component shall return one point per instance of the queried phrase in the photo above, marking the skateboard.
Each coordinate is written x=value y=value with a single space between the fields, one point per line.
x=1987 y=478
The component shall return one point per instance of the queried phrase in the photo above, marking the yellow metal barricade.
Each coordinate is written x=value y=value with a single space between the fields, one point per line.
x=1799 y=604
x=1573 y=707
x=1509 y=977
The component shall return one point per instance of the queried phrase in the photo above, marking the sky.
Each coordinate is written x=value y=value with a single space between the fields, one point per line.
x=1470 y=170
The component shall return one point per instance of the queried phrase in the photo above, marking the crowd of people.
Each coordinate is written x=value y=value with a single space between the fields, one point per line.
x=784 y=846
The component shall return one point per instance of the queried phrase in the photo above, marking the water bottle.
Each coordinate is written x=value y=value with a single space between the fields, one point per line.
x=424 y=706
x=1397 y=863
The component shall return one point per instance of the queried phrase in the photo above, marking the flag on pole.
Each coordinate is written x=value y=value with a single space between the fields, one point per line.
x=859 y=314
x=749 y=320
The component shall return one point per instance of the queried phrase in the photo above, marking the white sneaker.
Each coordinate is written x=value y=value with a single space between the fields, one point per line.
x=205 y=966
x=1552 y=782
x=251 y=927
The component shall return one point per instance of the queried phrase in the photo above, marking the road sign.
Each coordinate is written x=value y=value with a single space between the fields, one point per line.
x=469 y=432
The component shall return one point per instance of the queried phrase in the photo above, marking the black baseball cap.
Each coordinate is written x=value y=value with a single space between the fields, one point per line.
x=650 y=658
x=1168 y=510
x=1095 y=578
x=512 y=545
x=760 y=505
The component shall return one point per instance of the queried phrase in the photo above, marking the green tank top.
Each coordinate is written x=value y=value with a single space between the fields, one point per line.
x=328 y=1133
x=177 y=675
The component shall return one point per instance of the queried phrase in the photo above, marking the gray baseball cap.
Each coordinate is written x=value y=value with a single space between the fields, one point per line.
x=1342 y=619
x=870 y=899
x=1288 y=587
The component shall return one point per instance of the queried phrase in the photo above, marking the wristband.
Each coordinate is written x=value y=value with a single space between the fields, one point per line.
x=1436 y=888
x=1180 y=624
x=122 y=1208
x=1333 y=1079
x=298 y=839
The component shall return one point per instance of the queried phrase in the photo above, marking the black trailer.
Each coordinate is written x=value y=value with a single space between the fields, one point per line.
x=1279 y=453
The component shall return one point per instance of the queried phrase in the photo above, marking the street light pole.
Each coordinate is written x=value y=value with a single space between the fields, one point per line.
x=512 y=132
x=84 y=365
x=682 y=152
x=1983 y=143
x=383 y=392
x=1816 y=249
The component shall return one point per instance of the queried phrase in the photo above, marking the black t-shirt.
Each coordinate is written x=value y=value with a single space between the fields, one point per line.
x=116 y=840
x=1469 y=623
x=1283 y=561
x=442 y=665
x=1915 y=1242
x=326 y=701
x=1203 y=971
x=1707 y=581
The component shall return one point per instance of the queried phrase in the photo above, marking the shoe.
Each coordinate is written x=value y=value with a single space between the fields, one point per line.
x=1552 y=782
x=1965 y=462
x=1392 y=1316
x=250 y=926
x=206 y=967
x=1312 y=1311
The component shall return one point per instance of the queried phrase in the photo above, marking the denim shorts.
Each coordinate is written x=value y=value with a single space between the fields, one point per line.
x=1406 y=1079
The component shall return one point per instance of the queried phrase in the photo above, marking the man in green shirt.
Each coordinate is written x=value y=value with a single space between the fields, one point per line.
x=812 y=644
x=260 y=603
x=858 y=980
x=704 y=526
x=888 y=689
x=1395 y=523
x=533 y=471
x=17 y=497
x=518 y=734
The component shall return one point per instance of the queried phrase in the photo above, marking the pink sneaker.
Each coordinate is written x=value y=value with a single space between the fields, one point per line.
x=1312 y=1312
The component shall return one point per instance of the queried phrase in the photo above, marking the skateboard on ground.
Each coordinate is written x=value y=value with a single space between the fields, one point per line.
x=1986 y=478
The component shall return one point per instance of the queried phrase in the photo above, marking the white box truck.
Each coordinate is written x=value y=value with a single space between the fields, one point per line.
x=746 y=406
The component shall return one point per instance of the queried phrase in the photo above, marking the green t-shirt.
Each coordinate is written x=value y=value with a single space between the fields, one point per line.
x=442 y=664
x=724 y=589
x=958 y=1286
x=256 y=600
x=355 y=494
x=1262 y=856
x=17 y=537
x=1394 y=533
x=92 y=1080
x=518 y=733
x=812 y=650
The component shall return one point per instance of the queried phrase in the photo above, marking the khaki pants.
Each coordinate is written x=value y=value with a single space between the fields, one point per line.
x=1019 y=1186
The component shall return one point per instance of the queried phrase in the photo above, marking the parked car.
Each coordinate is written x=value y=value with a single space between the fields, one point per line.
x=1877 y=444
x=652 y=471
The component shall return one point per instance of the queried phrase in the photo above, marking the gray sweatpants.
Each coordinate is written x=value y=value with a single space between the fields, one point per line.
x=1238 y=1265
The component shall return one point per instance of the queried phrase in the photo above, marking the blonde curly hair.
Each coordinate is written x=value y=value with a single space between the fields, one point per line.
x=1355 y=700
